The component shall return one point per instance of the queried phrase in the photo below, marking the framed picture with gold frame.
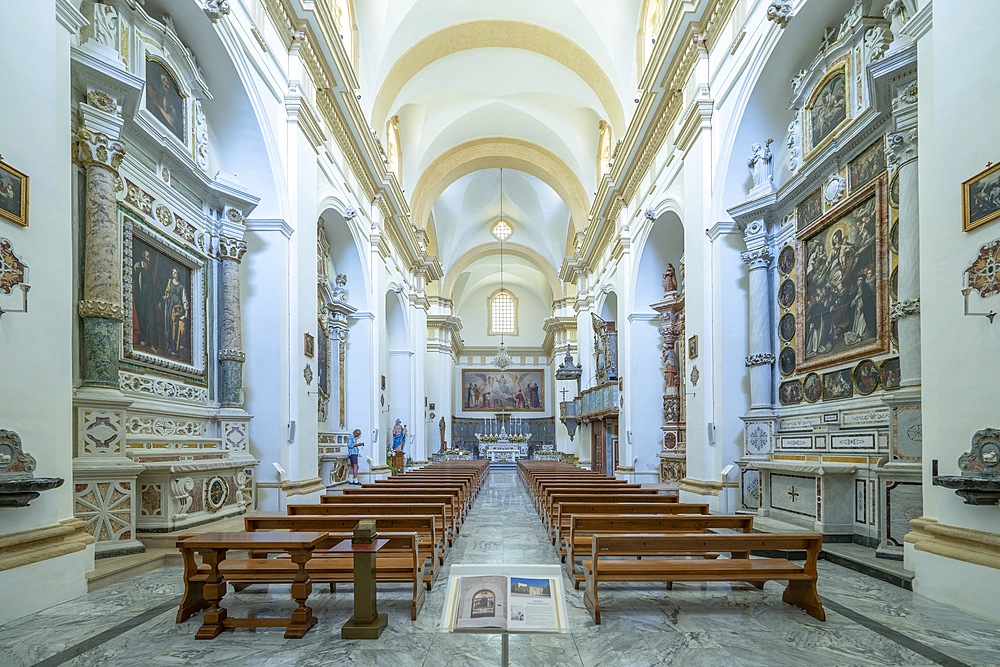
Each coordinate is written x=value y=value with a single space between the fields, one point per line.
x=309 y=345
x=828 y=109
x=842 y=291
x=13 y=195
x=981 y=198
x=693 y=347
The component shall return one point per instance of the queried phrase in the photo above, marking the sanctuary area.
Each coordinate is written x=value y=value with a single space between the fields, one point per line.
x=516 y=282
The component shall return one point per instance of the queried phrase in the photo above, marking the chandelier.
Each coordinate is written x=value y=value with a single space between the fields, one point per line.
x=502 y=358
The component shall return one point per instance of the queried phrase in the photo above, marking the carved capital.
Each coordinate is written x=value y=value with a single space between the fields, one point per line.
x=216 y=9
x=904 y=308
x=764 y=359
x=100 y=308
x=232 y=355
x=901 y=148
x=99 y=150
x=230 y=248
x=758 y=259
x=780 y=11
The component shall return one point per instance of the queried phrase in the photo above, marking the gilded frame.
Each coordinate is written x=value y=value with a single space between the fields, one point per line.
x=839 y=68
x=975 y=193
x=492 y=376
x=15 y=183
x=840 y=217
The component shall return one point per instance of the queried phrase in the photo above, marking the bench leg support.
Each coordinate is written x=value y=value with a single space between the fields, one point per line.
x=803 y=594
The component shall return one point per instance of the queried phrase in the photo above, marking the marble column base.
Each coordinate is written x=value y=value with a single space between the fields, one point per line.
x=101 y=342
x=231 y=382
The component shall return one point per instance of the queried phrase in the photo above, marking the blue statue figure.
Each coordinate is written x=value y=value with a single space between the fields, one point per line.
x=398 y=436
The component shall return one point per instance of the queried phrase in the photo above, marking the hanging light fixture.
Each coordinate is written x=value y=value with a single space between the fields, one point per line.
x=502 y=358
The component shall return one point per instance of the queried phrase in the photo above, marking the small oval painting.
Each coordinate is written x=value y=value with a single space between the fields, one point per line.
x=786 y=361
x=894 y=238
x=866 y=376
x=786 y=327
x=812 y=388
x=786 y=260
x=894 y=284
x=786 y=294
x=889 y=373
x=790 y=393
x=894 y=191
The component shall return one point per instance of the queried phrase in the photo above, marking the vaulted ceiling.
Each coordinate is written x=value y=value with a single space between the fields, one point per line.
x=476 y=86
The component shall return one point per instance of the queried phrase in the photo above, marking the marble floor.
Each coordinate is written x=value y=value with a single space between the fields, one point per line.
x=868 y=622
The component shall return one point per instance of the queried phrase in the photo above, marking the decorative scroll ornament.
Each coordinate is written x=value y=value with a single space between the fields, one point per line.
x=307 y=373
x=984 y=274
x=232 y=355
x=230 y=248
x=877 y=41
x=901 y=148
x=11 y=268
x=100 y=308
x=350 y=213
x=102 y=101
x=340 y=288
x=695 y=376
x=793 y=144
x=216 y=9
x=904 y=308
x=759 y=258
x=763 y=359
x=754 y=228
x=909 y=95
x=780 y=12
x=99 y=150
x=235 y=215
x=798 y=79
x=650 y=213
x=200 y=136
x=834 y=189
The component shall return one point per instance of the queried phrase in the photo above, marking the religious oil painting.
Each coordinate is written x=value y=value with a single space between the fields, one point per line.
x=790 y=393
x=786 y=361
x=164 y=99
x=13 y=195
x=491 y=390
x=838 y=384
x=866 y=166
x=786 y=260
x=981 y=198
x=812 y=387
x=888 y=373
x=786 y=294
x=786 y=327
x=866 y=377
x=693 y=347
x=161 y=303
x=843 y=282
x=828 y=109
x=809 y=209
x=309 y=345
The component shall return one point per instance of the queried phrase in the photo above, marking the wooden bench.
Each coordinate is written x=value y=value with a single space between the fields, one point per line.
x=459 y=506
x=563 y=511
x=609 y=552
x=423 y=526
x=438 y=511
x=584 y=526
x=589 y=494
x=449 y=501
x=543 y=505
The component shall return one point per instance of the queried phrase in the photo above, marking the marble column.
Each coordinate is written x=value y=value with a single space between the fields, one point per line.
x=231 y=355
x=902 y=152
x=101 y=306
x=760 y=360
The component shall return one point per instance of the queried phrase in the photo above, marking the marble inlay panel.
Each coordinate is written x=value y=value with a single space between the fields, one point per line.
x=792 y=493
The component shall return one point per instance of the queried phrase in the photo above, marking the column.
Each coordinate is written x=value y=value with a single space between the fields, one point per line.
x=231 y=355
x=902 y=152
x=760 y=360
x=101 y=152
x=673 y=454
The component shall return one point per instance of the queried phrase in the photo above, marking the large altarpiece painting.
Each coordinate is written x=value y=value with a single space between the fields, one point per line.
x=493 y=390
x=843 y=284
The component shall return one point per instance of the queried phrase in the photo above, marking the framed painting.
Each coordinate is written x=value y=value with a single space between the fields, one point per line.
x=981 y=198
x=827 y=109
x=866 y=377
x=810 y=209
x=309 y=345
x=493 y=390
x=812 y=387
x=164 y=301
x=164 y=100
x=868 y=165
x=838 y=384
x=843 y=282
x=693 y=347
x=13 y=195
x=790 y=393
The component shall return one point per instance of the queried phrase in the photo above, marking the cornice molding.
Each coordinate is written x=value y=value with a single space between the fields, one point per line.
x=270 y=225
x=921 y=22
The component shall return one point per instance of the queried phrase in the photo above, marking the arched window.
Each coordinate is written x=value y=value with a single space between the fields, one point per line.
x=502 y=307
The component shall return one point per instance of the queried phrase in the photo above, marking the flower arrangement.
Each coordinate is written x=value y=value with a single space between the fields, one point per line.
x=546 y=452
x=456 y=452
x=517 y=438
x=488 y=438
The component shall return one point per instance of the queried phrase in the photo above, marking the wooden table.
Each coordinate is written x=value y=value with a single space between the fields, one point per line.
x=213 y=548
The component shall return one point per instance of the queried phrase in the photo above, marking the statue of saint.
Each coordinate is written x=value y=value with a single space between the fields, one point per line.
x=398 y=437
x=760 y=165
x=669 y=280
x=444 y=443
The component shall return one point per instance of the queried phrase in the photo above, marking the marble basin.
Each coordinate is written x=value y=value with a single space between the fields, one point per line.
x=19 y=491
x=975 y=489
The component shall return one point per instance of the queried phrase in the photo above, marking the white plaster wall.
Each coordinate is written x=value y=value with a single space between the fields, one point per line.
x=646 y=396
x=531 y=312
x=35 y=398
x=959 y=354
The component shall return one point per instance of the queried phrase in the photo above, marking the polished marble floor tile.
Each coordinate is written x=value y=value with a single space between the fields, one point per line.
x=643 y=624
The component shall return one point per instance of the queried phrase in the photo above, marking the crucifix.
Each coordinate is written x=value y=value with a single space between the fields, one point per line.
x=564 y=394
x=793 y=494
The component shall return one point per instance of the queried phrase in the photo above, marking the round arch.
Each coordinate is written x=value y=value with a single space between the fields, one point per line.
x=493 y=152
x=492 y=249
x=498 y=33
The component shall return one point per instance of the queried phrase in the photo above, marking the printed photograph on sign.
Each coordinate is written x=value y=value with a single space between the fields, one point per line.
x=491 y=390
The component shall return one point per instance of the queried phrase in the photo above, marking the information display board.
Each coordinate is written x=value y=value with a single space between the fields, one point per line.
x=505 y=598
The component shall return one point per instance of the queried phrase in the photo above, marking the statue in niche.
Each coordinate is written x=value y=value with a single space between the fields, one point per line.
x=670 y=377
x=669 y=280
x=760 y=165
x=398 y=437
x=444 y=443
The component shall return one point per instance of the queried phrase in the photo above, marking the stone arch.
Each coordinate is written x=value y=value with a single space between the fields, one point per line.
x=491 y=249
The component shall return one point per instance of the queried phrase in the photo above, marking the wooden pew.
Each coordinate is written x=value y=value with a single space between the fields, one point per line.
x=405 y=490
x=587 y=493
x=542 y=500
x=438 y=511
x=563 y=511
x=584 y=526
x=423 y=526
x=605 y=564
x=452 y=516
